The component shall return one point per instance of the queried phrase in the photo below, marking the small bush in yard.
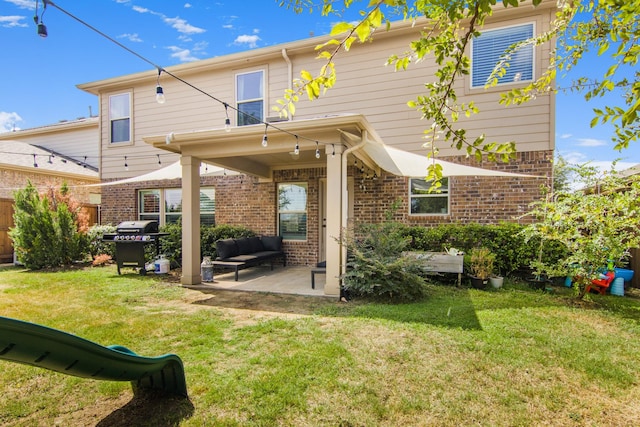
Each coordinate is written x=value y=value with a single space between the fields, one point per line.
x=49 y=229
x=376 y=267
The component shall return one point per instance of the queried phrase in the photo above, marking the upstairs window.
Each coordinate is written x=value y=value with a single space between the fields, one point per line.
x=490 y=47
x=250 y=98
x=120 y=118
x=292 y=210
x=426 y=202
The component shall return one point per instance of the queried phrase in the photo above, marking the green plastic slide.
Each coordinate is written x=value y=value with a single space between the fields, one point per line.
x=48 y=348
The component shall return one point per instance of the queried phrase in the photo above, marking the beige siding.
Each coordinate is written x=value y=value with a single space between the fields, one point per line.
x=365 y=86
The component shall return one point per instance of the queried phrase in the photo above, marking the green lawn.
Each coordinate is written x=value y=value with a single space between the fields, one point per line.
x=512 y=357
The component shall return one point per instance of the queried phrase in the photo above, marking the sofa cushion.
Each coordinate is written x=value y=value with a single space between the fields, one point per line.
x=256 y=244
x=244 y=245
x=272 y=243
x=227 y=248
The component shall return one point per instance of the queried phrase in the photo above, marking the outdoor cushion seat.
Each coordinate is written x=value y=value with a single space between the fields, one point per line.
x=246 y=252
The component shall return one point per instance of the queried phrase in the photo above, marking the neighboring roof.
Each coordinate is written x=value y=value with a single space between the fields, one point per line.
x=633 y=170
x=62 y=125
x=22 y=156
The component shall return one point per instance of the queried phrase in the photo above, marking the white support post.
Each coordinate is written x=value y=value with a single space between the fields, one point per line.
x=190 y=220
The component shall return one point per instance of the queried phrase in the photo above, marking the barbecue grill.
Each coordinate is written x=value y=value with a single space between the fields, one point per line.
x=130 y=238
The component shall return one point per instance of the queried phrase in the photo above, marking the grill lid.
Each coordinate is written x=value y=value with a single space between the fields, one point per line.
x=139 y=227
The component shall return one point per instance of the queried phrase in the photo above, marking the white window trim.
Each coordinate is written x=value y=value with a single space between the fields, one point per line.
x=131 y=137
x=435 y=194
x=162 y=215
x=305 y=211
x=533 y=57
x=263 y=70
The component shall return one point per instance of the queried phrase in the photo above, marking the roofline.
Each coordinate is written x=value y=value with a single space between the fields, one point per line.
x=56 y=127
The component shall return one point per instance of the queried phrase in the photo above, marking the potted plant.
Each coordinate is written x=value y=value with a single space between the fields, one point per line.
x=480 y=264
x=496 y=281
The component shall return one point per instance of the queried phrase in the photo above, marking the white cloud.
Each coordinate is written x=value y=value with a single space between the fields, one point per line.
x=251 y=41
x=187 y=5
x=591 y=142
x=23 y=4
x=182 y=26
x=565 y=136
x=131 y=37
x=12 y=21
x=140 y=9
x=8 y=121
x=183 y=55
x=228 y=27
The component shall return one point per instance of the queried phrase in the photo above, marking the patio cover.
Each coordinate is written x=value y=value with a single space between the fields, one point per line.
x=404 y=163
x=173 y=171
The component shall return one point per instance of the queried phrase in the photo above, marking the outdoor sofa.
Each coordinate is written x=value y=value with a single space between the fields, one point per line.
x=245 y=252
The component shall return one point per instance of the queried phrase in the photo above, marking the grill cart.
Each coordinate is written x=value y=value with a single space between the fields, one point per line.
x=130 y=238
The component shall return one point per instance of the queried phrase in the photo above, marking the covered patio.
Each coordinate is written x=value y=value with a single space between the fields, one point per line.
x=325 y=142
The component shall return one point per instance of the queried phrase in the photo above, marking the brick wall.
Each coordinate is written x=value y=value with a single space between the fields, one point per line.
x=13 y=180
x=244 y=200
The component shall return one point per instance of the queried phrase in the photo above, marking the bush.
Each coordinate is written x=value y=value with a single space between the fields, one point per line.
x=506 y=240
x=47 y=229
x=376 y=267
x=96 y=246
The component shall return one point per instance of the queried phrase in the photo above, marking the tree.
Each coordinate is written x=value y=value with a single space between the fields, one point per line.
x=610 y=26
x=49 y=230
x=596 y=225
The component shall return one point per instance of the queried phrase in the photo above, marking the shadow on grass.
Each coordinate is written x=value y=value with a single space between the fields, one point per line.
x=150 y=409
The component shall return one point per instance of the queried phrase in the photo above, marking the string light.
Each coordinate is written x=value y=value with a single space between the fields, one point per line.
x=42 y=29
x=84 y=165
x=264 y=138
x=126 y=166
x=333 y=152
x=35 y=163
x=50 y=161
x=159 y=162
x=296 y=150
x=160 y=99
x=227 y=121
x=160 y=92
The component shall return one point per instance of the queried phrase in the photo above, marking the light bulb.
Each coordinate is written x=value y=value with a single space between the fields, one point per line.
x=227 y=125
x=317 y=153
x=160 y=95
x=296 y=151
x=264 y=141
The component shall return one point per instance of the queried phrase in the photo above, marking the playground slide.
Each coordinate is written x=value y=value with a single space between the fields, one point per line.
x=48 y=348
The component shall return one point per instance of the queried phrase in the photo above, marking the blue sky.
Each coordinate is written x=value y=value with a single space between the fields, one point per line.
x=38 y=75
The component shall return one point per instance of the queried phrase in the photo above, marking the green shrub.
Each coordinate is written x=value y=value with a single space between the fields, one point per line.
x=46 y=231
x=513 y=252
x=376 y=267
x=96 y=246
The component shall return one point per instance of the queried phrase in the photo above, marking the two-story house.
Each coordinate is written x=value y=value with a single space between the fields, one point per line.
x=349 y=157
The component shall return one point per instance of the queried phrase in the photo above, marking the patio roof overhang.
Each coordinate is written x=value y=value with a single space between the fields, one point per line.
x=241 y=149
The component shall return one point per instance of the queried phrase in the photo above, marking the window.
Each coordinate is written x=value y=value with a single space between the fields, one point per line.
x=488 y=49
x=426 y=202
x=120 y=118
x=292 y=211
x=250 y=98
x=165 y=205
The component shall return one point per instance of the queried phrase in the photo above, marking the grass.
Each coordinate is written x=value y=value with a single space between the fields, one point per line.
x=511 y=357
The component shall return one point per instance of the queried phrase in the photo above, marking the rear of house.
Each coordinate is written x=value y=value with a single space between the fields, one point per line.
x=309 y=177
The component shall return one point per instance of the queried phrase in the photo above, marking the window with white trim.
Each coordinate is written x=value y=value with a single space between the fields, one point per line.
x=120 y=118
x=165 y=205
x=292 y=210
x=250 y=98
x=424 y=201
x=490 y=48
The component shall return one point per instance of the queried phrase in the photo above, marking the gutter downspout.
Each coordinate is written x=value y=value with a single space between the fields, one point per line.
x=289 y=72
x=344 y=208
